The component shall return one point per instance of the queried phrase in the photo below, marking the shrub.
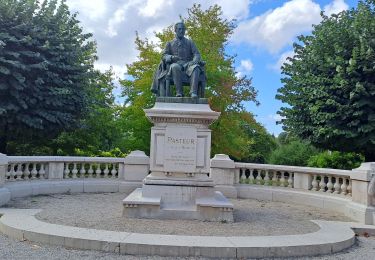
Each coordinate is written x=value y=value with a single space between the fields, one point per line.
x=295 y=153
x=336 y=160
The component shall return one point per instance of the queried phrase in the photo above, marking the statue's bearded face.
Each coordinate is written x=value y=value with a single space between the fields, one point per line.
x=180 y=31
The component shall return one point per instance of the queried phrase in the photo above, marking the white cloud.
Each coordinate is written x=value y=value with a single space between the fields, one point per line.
x=89 y=8
x=282 y=60
x=115 y=22
x=154 y=7
x=119 y=71
x=274 y=117
x=276 y=28
x=246 y=66
x=238 y=9
x=335 y=7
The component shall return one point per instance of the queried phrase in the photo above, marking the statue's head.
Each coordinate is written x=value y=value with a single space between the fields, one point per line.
x=179 y=29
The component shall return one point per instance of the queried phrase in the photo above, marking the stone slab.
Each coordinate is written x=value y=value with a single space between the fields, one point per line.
x=178 y=202
x=332 y=237
x=4 y=196
x=188 y=100
x=100 y=186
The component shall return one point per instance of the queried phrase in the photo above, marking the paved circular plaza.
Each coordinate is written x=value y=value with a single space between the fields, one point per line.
x=104 y=211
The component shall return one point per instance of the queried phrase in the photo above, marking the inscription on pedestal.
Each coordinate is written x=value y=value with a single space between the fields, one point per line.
x=180 y=144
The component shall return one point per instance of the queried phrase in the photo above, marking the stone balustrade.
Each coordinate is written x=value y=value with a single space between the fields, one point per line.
x=308 y=178
x=346 y=191
x=25 y=168
x=22 y=168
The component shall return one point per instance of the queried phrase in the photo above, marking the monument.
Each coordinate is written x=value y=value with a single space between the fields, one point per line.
x=178 y=186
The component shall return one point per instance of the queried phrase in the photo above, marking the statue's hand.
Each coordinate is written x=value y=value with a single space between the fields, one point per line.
x=193 y=62
x=168 y=58
x=175 y=58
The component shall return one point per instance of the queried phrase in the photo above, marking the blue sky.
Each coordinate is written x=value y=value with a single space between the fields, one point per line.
x=262 y=40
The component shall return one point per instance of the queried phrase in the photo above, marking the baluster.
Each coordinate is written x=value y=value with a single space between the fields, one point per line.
x=337 y=185
x=106 y=171
x=12 y=172
x=98 y=171
x=236 y=175
x=251 y=176
x=349 y=188
x=19 y=172
x=266 y=178
x=114 y=171
x=290 y=180
x=82 y=171
x=329 y=184
x=34 y=172
x=66 y=171
x=314 y=183
x=259 y=177
x=74 y=171
x=344 y=186
x=243 y=176
x=26 y=171
x=322 y=184
x=90 y=171
x=9 y=172
x=42 y=171
x=282 y=179
x=274 y=179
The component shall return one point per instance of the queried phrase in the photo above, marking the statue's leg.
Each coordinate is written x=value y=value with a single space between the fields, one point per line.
x=162 y=88
x=194 y=80
x=177 y=78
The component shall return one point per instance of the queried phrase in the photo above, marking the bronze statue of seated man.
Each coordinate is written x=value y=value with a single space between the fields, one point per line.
x=181 y=62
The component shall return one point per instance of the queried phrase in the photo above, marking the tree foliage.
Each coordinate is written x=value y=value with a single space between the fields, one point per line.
x=46 y=64
x=226 y=92
x=330 y=83
x=100 y=129
x=295 y=152
x=336 y=160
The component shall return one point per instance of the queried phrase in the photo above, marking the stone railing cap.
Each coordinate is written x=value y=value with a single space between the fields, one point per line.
x=222 y=161
x=364 y=172
x=3 y=159
x=137 y=157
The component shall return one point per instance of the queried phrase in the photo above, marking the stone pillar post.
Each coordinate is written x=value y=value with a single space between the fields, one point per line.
x=302 y=181
x=4 y=192
x=222 y=172
x=55 y=170
x=362 y=207
x=3 y=168
x=136 y=168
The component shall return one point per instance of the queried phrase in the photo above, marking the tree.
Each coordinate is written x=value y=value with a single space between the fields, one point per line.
x=295 y=153
x=46 y=65
x=330 y=83
x=100 y=128
x=260 y=143
x=226 y=92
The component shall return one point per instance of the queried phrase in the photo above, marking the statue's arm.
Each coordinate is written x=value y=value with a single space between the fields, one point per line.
x=196 y=54
x=167 y=54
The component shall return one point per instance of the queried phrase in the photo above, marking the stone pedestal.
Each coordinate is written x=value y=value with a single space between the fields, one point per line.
x=3 y=168
x=362 y=206
x=178 y=186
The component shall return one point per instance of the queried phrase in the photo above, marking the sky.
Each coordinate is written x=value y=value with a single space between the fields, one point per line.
x=262 y=40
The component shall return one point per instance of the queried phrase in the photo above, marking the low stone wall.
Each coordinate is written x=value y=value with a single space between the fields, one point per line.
x=339 y=190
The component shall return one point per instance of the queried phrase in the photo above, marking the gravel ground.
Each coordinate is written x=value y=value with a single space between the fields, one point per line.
x=104 y=211
x=11 y=249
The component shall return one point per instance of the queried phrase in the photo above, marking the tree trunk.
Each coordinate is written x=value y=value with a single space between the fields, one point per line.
x=370 y=156
x=3 y=140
